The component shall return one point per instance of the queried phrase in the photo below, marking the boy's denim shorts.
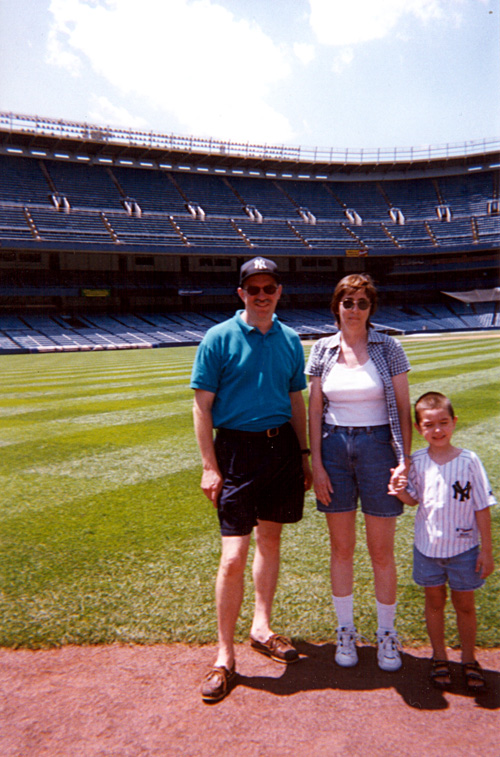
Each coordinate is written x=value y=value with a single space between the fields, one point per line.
x=358 y=461
x=459 y=571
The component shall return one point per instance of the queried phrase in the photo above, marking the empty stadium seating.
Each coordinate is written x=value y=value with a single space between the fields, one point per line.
x=32 y=333
x=155 y=196
x=144 y=247
x=140 y=203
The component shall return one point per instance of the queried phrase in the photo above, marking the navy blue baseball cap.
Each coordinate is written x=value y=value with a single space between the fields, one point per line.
x=259 y=265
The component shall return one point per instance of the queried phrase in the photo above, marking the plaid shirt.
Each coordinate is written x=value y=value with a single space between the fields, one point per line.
x=389 y=359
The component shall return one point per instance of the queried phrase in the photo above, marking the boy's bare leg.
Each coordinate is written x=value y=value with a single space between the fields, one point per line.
x=465 y=607
x=435 y=601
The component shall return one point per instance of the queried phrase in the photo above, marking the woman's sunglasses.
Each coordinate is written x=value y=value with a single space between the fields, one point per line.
x=348 y=304
x=268 y=289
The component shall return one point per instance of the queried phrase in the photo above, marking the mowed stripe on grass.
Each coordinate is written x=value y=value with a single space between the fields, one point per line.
x=107 y=536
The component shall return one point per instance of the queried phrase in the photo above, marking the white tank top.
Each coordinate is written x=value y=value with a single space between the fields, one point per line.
x=355 y=396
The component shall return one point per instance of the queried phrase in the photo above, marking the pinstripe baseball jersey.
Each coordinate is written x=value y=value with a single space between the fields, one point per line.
x=448 y=496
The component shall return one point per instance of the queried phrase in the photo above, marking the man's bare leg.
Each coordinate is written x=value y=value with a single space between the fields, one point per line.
x=229 y=590
x=266 y=565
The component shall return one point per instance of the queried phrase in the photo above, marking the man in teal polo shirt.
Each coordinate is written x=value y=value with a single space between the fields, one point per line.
x=248 y=378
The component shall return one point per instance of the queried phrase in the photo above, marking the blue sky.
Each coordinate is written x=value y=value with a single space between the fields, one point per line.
x=326 y=73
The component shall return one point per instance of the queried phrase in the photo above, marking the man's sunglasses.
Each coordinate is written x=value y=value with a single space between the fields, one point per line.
x=268 y=289
x=348 y=304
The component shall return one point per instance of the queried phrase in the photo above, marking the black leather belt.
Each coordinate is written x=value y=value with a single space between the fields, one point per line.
x=270 y=433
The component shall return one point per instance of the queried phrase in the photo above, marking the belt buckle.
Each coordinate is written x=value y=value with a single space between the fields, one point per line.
x=272 y=432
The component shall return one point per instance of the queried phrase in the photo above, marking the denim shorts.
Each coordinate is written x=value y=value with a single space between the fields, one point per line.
x=358 y=461
x=459 y=571
x=263 y=479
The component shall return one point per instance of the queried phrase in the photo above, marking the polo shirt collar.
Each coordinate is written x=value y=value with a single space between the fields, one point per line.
x=246 y=327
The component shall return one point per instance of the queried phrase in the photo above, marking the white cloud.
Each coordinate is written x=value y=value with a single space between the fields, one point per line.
x=193 y=59
x=342 y=59
x=103 y=111
x=304 y=52
x=341 y=23
x=59 y=56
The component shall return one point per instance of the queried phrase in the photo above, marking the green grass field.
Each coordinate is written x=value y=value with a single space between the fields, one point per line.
x=106 y=536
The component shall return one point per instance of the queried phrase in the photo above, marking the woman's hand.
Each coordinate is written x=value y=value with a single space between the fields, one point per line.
x=399 y=479
x=322 y=485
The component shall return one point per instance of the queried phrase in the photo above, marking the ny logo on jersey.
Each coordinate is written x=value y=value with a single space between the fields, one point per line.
x=461 y=491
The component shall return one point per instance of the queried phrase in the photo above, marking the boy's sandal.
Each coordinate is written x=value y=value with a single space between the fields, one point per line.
x=474 y=678
x=440 y=673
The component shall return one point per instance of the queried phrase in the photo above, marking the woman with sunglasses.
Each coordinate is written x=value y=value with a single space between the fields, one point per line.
x=360 y=438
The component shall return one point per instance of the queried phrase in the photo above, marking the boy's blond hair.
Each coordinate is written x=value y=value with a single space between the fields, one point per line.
x=432 y=401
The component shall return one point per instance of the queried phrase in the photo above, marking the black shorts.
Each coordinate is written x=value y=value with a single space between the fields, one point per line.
x=263 y=479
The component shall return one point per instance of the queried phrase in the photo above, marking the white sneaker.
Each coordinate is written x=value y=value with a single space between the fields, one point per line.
x=346 y=655
x=388 y=651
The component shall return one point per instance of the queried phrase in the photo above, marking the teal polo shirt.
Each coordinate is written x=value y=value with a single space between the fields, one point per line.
x=250 y=373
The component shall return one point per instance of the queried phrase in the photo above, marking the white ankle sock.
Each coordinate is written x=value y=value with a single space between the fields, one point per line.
x=386 y=615
x=344 y=610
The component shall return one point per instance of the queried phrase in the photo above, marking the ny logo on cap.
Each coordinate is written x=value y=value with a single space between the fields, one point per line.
x=260 y=263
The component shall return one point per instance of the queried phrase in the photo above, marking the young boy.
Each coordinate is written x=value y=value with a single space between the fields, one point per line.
x=452 y=533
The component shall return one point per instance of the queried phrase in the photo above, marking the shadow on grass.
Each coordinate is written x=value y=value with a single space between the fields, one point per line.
x=317 y=670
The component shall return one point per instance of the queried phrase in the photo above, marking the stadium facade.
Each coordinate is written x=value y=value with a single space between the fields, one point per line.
x=132 y=227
